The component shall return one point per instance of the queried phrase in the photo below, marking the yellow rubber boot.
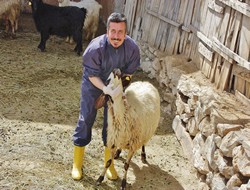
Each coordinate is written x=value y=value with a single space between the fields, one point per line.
x=77 y=162
x=111 y=172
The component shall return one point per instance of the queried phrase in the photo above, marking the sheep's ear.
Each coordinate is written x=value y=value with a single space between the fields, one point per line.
x=117 y=73
x=111 y=77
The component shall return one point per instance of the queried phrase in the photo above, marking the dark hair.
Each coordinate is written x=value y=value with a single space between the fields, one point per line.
x=117 y=17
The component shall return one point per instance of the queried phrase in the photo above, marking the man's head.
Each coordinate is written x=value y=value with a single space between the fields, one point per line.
x=116 y=29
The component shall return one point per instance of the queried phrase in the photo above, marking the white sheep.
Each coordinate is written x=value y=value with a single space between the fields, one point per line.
x=92 y=20
x=5 y=5
x=133 y=117
x=10 y=12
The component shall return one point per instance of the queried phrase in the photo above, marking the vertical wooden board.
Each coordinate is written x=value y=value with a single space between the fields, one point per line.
x=155 y=22
x=163 y=10
x=231 y=24
x=188 y=47
x=195 y=23
x=187 y=22
x=225 y=76
x=184 y=37
x=155 y=5
x=240 y=85
x=130 y=13
x=215 y=24
x=180 y=19
x=201 y=62
x=221 y=70
x=213 y=69
x=207 y=26
x=170 y=46
x=181 y=13
x=236 y=30
x=196 y=14
x=218 y=70
x=146 y=26
x=173 y=40
x=146 y=18
x=194 y=50
x=189 y=13
x=213 y=29
x=165 y=35
x=149 y=4
x=206 y=67
x=242 y=79
x=248 y=90
x=183 y=42
x=135 y=34
x=224 y=25
x=159 y=36
x=132 y=21
x=244 y=46
x=203 y=13
x=171 y=5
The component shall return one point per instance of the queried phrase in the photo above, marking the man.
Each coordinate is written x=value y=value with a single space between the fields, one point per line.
x=113 y=50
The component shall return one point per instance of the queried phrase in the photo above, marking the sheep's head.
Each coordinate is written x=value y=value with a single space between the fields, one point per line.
x=114 y=78
x=116 y=75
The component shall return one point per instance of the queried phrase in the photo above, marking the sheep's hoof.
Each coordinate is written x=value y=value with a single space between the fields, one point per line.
x=143 y=158
x=123 y=186
x=99 y=180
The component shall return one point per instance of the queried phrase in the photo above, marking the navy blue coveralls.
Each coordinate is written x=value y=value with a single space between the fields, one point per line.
x=99 y=59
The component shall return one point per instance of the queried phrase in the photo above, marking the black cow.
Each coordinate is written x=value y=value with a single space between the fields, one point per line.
x=60 y=21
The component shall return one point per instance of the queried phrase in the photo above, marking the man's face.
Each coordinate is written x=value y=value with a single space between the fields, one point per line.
x=116 y=33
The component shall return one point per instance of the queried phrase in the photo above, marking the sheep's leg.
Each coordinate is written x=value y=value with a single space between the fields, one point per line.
x=108 y=163
x=16 y=25
x=6 y=25
x=67 y=39
x=77 y=36
x=143 y=155
x=126 y=166
x=71 y=40
x=44 y=38
x=117 y=153
x=12 y=26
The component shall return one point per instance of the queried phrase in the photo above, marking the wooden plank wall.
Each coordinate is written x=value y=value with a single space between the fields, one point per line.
x=214 y=33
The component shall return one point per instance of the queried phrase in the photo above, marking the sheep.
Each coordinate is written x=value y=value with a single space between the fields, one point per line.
x=5 y=5
x=60 y=21
x=133 y=117
x=92 y=20
x=12 y=15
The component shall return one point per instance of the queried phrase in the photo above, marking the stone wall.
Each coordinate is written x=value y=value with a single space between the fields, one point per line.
x=212 y=126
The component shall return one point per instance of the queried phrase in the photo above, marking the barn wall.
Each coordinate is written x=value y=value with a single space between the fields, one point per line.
x=213 y=33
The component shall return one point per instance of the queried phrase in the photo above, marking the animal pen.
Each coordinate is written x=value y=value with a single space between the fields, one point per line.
x=213 y=33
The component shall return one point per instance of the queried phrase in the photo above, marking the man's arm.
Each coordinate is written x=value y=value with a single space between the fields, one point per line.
x=97 y=82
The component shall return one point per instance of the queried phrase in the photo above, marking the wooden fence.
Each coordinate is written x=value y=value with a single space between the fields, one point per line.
x=214 y=33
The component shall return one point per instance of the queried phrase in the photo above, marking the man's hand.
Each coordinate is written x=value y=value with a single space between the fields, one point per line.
x=112 y=92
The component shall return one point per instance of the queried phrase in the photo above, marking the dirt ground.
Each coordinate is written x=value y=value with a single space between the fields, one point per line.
x=39 y=107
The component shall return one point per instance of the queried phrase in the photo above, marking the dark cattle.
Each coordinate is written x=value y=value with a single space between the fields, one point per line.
x=60 y=21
